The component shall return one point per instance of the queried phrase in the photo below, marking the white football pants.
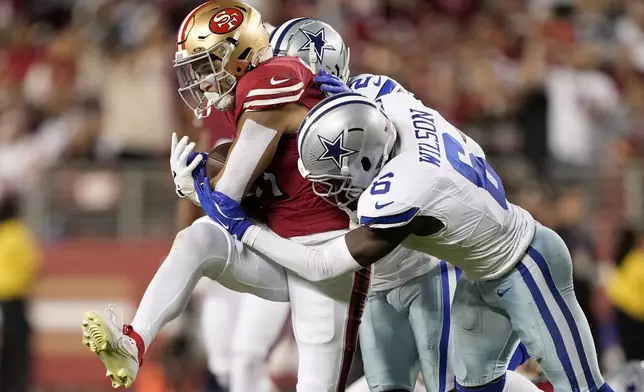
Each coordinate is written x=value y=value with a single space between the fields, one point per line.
x=325 y=315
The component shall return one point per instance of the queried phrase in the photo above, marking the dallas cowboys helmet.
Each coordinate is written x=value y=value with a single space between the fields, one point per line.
x=629 y=379
x=343 y=142
x=315 y=42
x=375 y=86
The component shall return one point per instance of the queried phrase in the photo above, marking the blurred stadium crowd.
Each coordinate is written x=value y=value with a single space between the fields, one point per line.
x=553 y=90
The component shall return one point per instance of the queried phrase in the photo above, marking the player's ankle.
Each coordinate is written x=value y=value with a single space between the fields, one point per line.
x=140 y=344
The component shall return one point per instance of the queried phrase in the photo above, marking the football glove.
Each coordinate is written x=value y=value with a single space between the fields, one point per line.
x=221 y=208
x=183 y=161
x=330 y=83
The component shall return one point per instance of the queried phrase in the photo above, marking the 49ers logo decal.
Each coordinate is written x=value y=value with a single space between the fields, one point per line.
x=226 y=20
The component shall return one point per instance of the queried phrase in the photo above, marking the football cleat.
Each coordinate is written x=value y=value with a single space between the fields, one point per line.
x=118 y=351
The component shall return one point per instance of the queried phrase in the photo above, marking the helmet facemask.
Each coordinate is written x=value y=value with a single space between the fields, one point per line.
x=208 y=66
x=337 y=191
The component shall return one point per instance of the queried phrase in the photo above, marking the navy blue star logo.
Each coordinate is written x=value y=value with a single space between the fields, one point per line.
x=335 y=150
x=318 y=41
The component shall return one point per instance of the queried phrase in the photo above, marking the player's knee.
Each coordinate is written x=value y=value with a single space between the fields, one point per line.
x=493 y=386
x=203 y=241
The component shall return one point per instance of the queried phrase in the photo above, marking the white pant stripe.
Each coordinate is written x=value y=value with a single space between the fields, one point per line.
x=560 y=320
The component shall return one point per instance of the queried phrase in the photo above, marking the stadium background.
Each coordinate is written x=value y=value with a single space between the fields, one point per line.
x=553 y=90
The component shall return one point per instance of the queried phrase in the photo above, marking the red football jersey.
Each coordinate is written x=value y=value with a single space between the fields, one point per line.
x=291 y=207
x=219 y=125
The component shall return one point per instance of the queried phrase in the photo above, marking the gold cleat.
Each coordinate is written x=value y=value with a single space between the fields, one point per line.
x=118 y=351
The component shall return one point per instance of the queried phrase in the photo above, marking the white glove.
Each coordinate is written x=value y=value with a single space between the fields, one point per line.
x=182 y=173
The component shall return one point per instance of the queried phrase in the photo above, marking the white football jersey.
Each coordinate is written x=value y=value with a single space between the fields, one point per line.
x=403 y=264
x=436 y=172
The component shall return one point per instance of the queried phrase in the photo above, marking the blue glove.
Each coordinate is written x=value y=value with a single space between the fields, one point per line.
x=330 y=83
x=221 y=208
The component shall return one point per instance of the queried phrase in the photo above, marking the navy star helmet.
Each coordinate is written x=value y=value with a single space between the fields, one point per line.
x=630 y=378
x=313 y=41
x=342 y=143
x=375 y=86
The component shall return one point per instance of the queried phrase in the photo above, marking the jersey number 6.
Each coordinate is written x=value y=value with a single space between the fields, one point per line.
x=479 y=173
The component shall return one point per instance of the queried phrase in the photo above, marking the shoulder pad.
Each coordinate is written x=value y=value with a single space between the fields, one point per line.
x=395 y=197
x=375 y=86
x=272 y=84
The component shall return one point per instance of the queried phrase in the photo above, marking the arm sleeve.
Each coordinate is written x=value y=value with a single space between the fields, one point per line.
x=328 y=261
x=252 y=142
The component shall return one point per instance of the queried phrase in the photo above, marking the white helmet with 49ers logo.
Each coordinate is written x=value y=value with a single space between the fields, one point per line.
x=217 y=43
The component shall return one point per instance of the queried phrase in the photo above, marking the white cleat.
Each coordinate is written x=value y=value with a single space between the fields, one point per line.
x=117 y=351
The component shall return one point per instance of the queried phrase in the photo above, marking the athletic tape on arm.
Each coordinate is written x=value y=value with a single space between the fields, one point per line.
x=328 y=261
x=251 y=144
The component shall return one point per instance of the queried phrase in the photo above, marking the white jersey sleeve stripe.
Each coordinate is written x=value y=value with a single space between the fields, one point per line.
x=273 y=91
x=386 y=221
x=275 y=101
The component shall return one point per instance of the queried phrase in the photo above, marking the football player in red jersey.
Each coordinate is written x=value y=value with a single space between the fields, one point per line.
x=223 y=61
x=244 y=343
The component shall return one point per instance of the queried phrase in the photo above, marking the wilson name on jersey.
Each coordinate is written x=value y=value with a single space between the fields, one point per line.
x=437 y=173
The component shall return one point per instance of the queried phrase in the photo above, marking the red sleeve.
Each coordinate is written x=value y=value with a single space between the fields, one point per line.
x=277 y=82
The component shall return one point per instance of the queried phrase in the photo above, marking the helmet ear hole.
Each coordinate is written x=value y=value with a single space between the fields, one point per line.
x=239 y=67
x=366 y=164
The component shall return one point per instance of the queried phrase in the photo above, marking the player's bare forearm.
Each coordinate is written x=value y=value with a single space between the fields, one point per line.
x=258 y=135
x=370 y=245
